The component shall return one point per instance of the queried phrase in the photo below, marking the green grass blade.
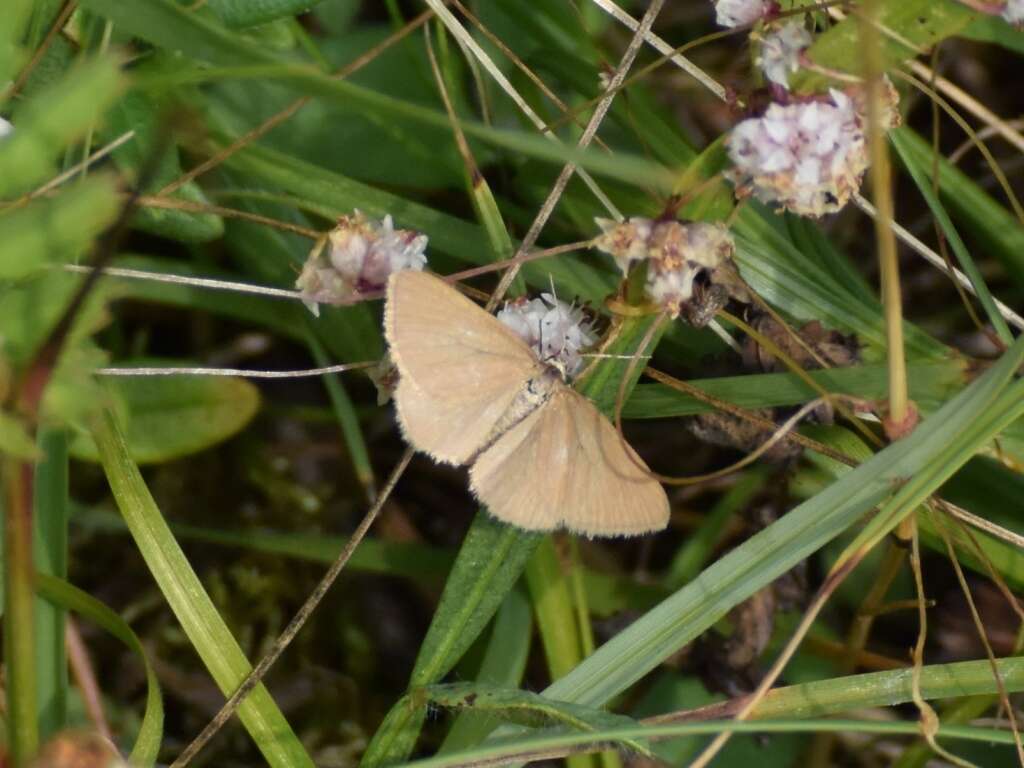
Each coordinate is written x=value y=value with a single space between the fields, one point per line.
x=552 y=604
x=183 y=591
x=58 y=592
x=503 y=665
x=50 y=556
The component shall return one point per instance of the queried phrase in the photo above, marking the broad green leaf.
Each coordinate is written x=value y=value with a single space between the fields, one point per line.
x=50 y=119
x=147 y=742
x=176 y=28
x=55 y=230
x=183 y=591
x=168 y=417
x=994 y=29
x=249 y=13
x=921 y=23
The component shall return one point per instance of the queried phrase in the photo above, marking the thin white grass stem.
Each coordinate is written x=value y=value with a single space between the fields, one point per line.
x=241 y=372
x=192 y=282
x=662 y=47
x=937 y=261
x=466 y=42
x=982 y=524
x=99 y=154
x=725 y=336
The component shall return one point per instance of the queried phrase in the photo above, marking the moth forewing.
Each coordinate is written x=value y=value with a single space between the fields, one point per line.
x=460 y=368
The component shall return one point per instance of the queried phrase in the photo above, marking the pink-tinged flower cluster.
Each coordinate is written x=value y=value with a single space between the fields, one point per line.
x=554 y=330
x=359 y=256
x=676 y=254
x=806 y=157
x=780 y=51
x=737 y=13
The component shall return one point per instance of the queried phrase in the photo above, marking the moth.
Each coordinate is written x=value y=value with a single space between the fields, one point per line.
x=472 y=392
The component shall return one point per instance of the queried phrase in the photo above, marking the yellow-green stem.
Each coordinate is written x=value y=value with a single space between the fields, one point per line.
x=881 y=186
x=19 y=645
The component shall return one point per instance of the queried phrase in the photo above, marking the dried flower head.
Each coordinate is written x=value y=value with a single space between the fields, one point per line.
x=736 y=13
x=554 y=330
x=359 y=256
x=677 y=253
x=806 y=157
x=626 y=240
x=780 y=51
x=888 y=103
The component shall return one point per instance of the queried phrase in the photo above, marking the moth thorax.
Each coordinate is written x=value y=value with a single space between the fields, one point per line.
x=532 y=396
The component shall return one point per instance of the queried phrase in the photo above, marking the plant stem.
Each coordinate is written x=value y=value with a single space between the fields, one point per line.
x=49 y=543
x=19 y=641
x=881 y=186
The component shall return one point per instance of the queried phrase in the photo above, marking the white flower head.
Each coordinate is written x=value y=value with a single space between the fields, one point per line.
x=780 y=51
x=626 y=240
x=360 y=255
x=5 y=127
x=1013 y=12
x=807 y=157
x=736 y=13
x=554 y=330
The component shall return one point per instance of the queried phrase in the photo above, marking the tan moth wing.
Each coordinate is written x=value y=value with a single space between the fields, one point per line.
x=564 y=466
x=460 y=367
